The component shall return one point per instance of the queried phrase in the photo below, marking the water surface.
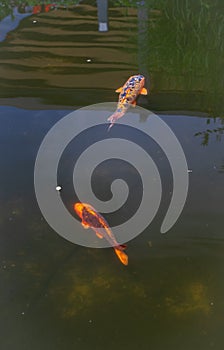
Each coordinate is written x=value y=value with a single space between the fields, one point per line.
x=57 y=295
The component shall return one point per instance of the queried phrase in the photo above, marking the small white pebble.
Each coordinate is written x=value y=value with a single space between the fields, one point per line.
x=89 y=60
x=90 y=321
x=22 y=313
x=58 y=188
x=212 y=304
x=34 y=21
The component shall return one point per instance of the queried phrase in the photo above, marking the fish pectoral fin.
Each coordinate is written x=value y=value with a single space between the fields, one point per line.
x=144 y=91
x=85 y=226
x=119 y=89
x=133 y=103
x=99 y=235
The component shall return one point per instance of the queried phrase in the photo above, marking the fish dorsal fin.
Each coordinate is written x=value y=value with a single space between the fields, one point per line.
x=144 y=91
x=119 y=89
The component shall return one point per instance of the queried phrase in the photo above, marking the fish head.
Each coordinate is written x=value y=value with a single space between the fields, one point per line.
x=136 y=81
x=78 y=207
x=140 y=79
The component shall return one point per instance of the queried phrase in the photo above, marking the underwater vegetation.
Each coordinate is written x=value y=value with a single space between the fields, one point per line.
x=193 y=298
x=205 y=135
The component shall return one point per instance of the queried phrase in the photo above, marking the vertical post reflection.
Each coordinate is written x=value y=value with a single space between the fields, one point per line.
x=102 y=8
x=143 y=39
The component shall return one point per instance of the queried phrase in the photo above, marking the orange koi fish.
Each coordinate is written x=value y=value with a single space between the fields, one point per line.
x=128 y=94
x=92 y=219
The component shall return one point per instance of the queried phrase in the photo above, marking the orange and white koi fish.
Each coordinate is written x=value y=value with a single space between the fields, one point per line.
x=92 y=219
x=128 y=94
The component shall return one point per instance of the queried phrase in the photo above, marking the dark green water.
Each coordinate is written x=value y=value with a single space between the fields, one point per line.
x=57 y=295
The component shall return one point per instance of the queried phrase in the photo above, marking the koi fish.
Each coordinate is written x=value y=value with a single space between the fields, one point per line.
x=92 y=219
x=127 y=97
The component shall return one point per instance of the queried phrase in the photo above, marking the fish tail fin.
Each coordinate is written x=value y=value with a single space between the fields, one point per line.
x=122 y=256
x=110 y=126
x=115 y=116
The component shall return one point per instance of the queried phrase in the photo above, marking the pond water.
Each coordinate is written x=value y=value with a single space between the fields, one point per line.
x=56 y=294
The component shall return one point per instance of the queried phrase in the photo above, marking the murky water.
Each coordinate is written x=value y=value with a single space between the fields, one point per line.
x=57 y=295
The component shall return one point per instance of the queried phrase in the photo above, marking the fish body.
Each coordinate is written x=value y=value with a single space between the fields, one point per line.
x=128 y=95
x=92 y=219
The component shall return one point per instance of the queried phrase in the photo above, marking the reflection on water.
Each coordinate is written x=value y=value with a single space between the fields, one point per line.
x=63 y=57
x=206 y=134
x=11 y=22
x=56 y=295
